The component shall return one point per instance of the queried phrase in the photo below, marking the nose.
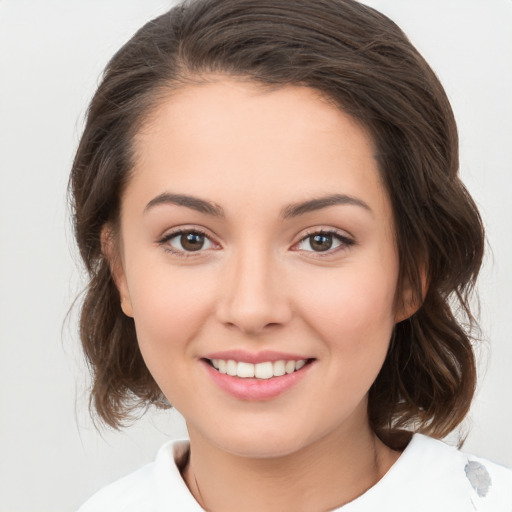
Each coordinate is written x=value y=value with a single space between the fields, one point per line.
x=253 y=296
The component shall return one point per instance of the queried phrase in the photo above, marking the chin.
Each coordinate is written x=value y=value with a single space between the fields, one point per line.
x=263 y=448
x=262 y=442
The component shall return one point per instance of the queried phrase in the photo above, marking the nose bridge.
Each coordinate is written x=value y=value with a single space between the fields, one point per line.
x=253 y=295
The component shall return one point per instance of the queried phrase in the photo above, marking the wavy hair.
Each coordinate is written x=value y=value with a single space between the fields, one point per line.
x=365 y=65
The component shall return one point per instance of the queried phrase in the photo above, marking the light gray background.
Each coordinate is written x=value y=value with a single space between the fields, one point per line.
x=51 y=55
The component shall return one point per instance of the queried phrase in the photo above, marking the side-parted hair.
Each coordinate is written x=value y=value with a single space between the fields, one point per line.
x=364 y=64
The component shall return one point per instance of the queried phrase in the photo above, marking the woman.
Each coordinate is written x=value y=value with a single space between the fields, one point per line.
x=267 y=201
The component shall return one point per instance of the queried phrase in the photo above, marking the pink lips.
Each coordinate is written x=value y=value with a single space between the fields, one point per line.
x=260 y=357
x=253 y=389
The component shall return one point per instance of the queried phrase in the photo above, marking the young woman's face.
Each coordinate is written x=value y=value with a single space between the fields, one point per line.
x=257 y=236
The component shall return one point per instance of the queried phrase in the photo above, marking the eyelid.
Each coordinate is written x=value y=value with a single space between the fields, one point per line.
x=174 y=232
x=346 y=240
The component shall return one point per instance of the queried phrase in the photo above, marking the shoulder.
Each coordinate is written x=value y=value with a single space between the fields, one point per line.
x=491 y=483
x=431 y=475
x=153 y=488
x=460 y=477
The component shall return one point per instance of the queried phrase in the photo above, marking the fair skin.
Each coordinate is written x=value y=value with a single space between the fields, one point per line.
x=252 y=284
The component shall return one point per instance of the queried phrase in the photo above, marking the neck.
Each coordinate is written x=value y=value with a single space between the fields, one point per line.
x=321 y=476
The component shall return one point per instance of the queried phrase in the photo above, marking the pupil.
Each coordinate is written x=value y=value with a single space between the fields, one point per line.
x=321 y=242
x=192 y=241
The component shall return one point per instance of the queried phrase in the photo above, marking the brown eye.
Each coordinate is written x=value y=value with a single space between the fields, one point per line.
x=188 y=241
x=192 y=241
x=324 y=242
x=320 y=242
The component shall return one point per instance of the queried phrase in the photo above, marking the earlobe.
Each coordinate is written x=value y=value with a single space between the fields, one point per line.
x=110 y=250
x=411 y=299
x=126 y=306
x=406 y=308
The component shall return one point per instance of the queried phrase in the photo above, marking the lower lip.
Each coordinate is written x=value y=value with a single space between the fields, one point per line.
x=256 y=389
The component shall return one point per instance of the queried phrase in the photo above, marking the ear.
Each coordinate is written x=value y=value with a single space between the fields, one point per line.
x=410 y=300
x=112 y=254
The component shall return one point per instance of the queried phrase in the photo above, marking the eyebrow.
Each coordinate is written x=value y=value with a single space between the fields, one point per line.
x=192 y=202
x=296 y=209
x=292 y=210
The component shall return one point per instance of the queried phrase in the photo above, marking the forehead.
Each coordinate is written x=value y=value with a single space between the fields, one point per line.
x=258 y=143
x=226 y=110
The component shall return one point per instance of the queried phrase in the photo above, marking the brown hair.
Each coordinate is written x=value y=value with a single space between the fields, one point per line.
x=366 y=66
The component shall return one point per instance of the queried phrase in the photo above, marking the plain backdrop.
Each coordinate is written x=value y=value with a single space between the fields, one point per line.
x=51 y=56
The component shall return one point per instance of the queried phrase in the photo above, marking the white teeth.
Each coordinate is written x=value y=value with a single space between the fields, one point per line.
x=289 y=366
x=279 y=368
x=231 y=368
x=245 y=370
x=265 y=370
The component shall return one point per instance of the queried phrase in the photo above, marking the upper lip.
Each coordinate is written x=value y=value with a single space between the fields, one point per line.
x=254 y=357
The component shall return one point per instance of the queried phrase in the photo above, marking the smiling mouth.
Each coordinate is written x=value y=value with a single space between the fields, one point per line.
x=264 y=370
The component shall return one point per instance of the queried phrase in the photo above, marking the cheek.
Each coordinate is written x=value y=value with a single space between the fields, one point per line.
x=170 y=305
x=353 y=311
x=355 y=322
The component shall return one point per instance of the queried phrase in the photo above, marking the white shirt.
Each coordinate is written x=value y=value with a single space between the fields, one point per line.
x=428 y=476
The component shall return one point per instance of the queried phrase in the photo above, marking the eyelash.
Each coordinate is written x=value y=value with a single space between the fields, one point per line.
x=345 y=242
x=164 y=242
